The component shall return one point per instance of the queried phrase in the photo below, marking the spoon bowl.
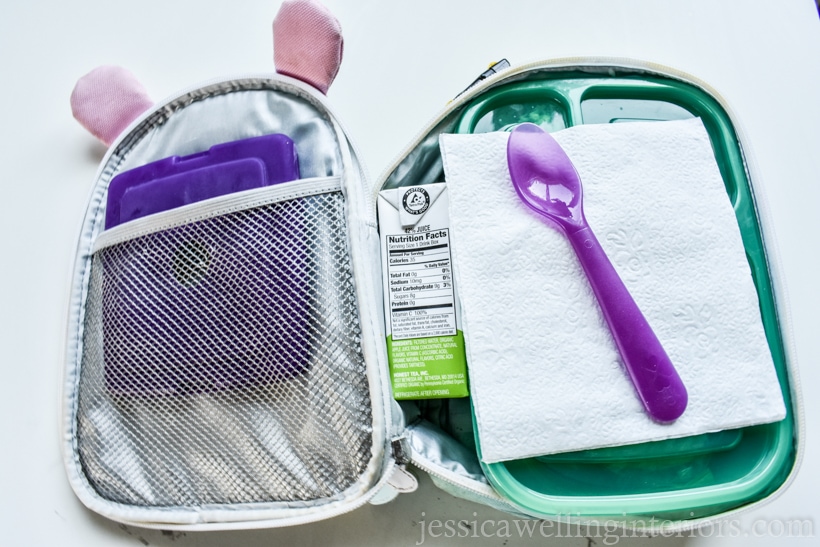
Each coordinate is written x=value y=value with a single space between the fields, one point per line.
x=546 y=180
x=544 y=177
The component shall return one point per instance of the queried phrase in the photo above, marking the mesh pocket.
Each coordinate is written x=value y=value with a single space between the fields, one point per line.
x=222 y=362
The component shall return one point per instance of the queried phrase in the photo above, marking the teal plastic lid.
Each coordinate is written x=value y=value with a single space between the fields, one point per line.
x=676 y=479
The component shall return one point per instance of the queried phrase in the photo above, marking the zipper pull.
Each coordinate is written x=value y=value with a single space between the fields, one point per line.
x=494 y=68
x=400 y=451
x=401 y=481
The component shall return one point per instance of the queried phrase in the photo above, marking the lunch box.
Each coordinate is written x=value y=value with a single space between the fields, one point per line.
x=321 y=434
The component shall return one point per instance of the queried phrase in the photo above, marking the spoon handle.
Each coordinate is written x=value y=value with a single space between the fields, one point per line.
x=653 y=375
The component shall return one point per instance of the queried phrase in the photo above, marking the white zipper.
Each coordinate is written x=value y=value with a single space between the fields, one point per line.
x=458 y=481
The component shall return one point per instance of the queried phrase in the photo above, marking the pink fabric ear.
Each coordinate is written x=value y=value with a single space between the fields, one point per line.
x=307 y=43
x=106 y=100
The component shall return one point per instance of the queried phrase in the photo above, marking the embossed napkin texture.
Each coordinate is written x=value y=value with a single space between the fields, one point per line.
x=545 y=374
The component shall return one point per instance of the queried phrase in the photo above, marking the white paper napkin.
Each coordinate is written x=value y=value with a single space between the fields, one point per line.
x=545 y=375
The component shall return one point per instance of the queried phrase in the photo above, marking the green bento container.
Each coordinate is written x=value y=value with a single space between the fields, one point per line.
x=677 y=479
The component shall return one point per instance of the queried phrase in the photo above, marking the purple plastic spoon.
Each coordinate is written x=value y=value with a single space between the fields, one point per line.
x=546 y=180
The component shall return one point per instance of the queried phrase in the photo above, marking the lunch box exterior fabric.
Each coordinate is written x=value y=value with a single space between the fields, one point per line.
x=291 y=445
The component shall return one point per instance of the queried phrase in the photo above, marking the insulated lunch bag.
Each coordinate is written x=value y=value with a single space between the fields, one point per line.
x=227 y=363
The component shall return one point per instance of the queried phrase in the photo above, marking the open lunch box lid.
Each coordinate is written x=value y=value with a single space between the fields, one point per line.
x=676 y=479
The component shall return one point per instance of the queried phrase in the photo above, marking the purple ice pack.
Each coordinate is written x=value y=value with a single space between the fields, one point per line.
x=218 y=303
x=180 y=180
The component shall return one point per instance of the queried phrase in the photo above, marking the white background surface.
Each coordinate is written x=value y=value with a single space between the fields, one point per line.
x=403 y=62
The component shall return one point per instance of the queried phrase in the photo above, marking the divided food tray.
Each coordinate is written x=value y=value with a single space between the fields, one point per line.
x=681 y=478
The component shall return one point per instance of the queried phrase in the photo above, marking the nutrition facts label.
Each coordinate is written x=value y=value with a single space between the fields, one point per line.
x=420 y=285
